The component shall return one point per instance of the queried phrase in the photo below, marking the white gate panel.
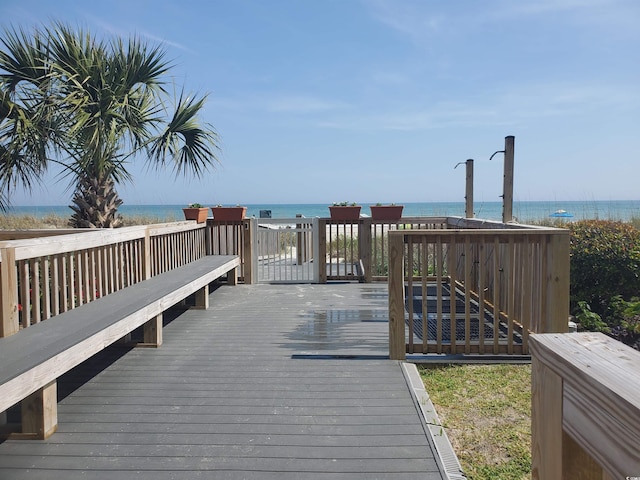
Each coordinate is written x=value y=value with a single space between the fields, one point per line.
x=285 y=250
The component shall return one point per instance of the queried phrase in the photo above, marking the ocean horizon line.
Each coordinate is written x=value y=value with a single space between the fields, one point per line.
x=522 y=210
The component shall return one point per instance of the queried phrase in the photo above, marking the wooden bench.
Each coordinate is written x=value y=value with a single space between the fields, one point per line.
x=32 y=359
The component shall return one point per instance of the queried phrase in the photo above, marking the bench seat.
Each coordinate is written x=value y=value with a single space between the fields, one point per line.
x=35 y=357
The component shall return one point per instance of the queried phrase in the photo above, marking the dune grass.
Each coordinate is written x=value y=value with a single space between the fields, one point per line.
x=26 y=222
x=486 y=411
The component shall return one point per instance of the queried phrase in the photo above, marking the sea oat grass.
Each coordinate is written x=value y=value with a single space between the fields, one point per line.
x=34 y=222
x=486 y=411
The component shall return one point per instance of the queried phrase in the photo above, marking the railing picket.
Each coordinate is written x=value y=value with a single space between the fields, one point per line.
x=86 y=274
x=25 y=297
x=452 y=293
x=55 y=285
x=425 y=296
x=511 y=293
x=468 y=257
x=410 y=292
x=496 y=292
x=481 y=295
x=439 y=299
x=36 y=291
x=527 y=289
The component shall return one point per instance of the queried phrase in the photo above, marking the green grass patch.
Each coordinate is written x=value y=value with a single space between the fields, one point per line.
x=486 y=411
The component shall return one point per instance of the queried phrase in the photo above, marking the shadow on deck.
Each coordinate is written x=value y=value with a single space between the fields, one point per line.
x=259 y=386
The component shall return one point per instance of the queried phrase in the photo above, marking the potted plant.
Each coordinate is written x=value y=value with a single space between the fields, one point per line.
x=345 y=211
x=196 y=211
x=391 y=212
x=228 y=214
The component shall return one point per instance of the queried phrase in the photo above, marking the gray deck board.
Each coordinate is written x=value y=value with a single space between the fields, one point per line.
x=285 y=382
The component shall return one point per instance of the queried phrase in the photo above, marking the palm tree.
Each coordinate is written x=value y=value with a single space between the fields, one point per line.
x=93 y=107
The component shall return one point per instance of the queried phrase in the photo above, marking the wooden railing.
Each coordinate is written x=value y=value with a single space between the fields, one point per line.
x=42 y=277
x=585 y=408
x=350 y=249
x=476 y=290
x=233 y=238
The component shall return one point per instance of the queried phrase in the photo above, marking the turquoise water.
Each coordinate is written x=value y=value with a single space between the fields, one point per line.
x=523 y=211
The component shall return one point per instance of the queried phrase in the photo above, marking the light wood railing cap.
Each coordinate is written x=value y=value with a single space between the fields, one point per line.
x=591 y=360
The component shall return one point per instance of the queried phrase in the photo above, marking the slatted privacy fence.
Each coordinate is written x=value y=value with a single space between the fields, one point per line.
x=476 y=291
x=42 y=277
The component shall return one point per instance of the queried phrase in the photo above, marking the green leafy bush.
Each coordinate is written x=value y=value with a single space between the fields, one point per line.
x=626 y=319
x=589 y=320
x=605 y=262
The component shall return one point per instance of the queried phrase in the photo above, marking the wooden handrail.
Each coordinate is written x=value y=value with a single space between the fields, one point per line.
x=585 y=407
x=518 y=276
x=41 y=277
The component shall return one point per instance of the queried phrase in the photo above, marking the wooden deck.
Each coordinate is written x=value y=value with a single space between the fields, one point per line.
x=272 y=382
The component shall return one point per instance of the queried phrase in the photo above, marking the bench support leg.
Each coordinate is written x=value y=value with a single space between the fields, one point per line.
x=152 y=331
x=40 y=412
x=202 y=298
x=232 y=277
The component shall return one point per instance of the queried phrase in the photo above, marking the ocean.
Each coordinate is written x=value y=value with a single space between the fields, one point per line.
x=623 y=210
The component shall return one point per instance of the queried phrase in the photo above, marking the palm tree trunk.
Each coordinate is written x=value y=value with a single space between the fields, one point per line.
x=95 y=204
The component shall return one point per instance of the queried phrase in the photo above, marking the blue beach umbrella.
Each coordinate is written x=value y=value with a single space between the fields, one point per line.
x=561 y=214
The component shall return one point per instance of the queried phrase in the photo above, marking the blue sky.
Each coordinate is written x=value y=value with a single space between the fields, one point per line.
x=377 y=100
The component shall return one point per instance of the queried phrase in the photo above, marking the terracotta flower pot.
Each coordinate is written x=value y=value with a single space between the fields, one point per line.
x=229 y=214
x=386 y=212
x=346 y=212
x=197 y=214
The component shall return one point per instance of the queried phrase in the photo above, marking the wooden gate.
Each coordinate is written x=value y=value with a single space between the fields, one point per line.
x=285 y=250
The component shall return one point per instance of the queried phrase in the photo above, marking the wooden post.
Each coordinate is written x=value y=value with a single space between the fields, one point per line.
x=507 y=189
x=152 y=331
x=556 y=319
x=322 y=251
x=546 y=420
x=146 y=245
x=208 y=237
x=469 y=190
x=247 y=255
x=40 y=412
x=364 y=246
x=303 y=241
x=9 y=292
x=397 y=342
x=202 y=298
x=232 y=277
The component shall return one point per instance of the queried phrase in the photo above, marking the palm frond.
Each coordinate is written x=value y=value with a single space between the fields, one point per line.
x=192 y=148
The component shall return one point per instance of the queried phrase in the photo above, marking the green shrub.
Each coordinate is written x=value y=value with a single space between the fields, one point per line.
x=625 y=319
x=605 y=262
x=589 y=320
